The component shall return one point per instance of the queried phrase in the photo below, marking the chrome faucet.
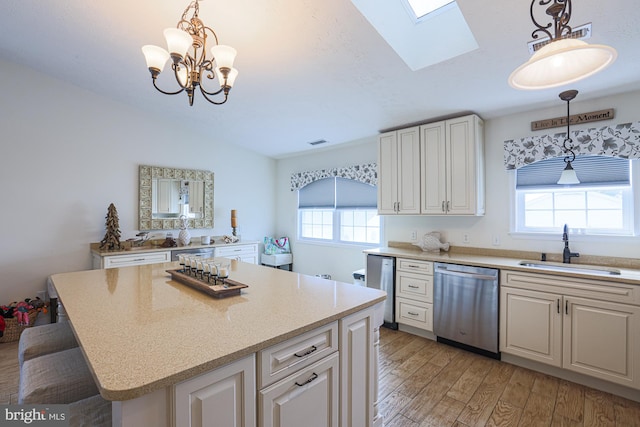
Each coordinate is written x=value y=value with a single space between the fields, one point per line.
x=566 y=253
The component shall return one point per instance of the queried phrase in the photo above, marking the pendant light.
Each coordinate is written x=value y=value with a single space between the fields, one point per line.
x=568 y=176
x=564 y=59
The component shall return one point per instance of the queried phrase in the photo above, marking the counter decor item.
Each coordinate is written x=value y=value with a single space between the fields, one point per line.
x=111 y=240
x=234 y=221
x=184 y=237
x=431 y=243
x=204 y=281
x=230 y=239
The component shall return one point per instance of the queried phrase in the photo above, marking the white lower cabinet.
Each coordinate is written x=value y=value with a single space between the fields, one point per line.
x=128 y=260
x=570 y=328
x=225 y=397
x=245 y=253
x=414 y=293
x=308 y=398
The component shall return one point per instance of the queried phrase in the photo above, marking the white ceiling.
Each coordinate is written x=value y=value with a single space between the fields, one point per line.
x=309 y=69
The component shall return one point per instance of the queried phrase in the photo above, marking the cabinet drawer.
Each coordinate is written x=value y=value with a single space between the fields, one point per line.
x=236 y=251
x=415 y=266
x=310 y=397
x=136 y=259
x=280 y=360
x=414 y=313
x=415 y=286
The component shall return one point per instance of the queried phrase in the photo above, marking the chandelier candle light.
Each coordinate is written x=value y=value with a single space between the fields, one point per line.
x=191 y=67
x=563 y=59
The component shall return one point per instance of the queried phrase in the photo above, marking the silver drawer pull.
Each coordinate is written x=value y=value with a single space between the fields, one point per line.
x=139 y=259
x=313 y=377
x=308 y=352
x=411 y=313
x=413 y=266
x=414 y=287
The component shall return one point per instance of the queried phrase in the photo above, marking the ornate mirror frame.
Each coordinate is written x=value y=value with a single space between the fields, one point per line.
x=148 y=173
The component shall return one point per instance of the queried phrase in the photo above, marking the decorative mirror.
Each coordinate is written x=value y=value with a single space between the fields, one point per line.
x=167 y=193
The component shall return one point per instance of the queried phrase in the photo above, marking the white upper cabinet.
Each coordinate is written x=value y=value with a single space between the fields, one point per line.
x=434 y=169
x=453 y=167
x=399 y=167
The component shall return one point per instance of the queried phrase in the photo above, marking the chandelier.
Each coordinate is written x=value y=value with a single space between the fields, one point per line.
x=568 y=175
x=564 y=59
x=187 y=48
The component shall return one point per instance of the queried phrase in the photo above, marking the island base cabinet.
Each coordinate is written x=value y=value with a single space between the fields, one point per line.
x=359 y=371
x=308 y=398
x=224 y=397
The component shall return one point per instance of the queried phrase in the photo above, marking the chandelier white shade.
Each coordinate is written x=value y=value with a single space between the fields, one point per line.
x=564 y=59
x=191 y=65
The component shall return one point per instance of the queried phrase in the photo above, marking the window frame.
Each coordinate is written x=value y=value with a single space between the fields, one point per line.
x=631 y=205
x=336 y=225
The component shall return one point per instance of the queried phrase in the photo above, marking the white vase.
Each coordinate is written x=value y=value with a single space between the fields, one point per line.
x=184 y=237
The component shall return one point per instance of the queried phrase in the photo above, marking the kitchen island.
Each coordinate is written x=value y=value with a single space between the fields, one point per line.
x=147 y=339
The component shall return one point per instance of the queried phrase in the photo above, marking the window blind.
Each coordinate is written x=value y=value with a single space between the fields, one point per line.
x=591 y=171
x=338 y=193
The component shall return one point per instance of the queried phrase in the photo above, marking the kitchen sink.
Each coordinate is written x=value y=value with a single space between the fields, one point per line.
x=570 y=268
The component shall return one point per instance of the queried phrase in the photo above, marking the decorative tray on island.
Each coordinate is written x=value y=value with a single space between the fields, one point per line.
x=220 y=288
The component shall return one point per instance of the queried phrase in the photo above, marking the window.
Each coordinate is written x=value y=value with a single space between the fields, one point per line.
x=601 y=204
x=338 y=210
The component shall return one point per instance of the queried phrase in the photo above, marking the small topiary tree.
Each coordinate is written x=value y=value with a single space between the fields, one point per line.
x=111 y=239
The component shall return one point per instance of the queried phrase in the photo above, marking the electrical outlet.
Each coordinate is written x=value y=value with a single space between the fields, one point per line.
x=414 y=235
x=495 y=240
x=465 y=238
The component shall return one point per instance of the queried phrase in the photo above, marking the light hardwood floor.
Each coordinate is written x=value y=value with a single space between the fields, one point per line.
x=425 y=383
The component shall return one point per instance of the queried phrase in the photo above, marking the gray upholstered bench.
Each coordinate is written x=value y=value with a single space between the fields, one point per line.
x=93 y=411
x=45 y=339
x=61 y=377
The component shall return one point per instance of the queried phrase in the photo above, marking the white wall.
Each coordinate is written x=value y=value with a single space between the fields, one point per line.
x=67 y=153
x=481 y=230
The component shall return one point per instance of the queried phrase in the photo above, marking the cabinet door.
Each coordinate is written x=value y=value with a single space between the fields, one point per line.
x=434 y=171
x=531 y=325
x=307 y=398
x=409 y=171
x=462 y=162
x=399 y=172
x=224 y=397
x=602 y=339
x=357 y=369
x=387 y=173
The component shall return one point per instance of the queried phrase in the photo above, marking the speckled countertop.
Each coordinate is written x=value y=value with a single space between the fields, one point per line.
x=148 y=247
x=505 y=259
x=140 y=331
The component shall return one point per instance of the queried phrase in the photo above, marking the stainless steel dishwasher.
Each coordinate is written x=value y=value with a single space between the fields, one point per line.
x=465 y=307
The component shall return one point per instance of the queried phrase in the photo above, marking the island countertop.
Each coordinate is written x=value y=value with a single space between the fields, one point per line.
x=141 y=331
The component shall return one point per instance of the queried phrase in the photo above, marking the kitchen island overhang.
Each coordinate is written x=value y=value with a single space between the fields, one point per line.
x=140 y=331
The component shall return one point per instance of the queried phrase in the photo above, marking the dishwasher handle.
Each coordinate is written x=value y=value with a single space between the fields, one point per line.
x=444 y=270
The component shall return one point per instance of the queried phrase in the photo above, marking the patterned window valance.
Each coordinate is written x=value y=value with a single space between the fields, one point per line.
x=621 y=140
x=366 y=173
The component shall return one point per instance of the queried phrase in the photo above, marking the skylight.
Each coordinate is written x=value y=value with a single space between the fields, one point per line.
x=422 y=8
x=437 y=36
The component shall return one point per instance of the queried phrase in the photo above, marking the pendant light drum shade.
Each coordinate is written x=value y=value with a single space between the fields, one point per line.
x=562 y=62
